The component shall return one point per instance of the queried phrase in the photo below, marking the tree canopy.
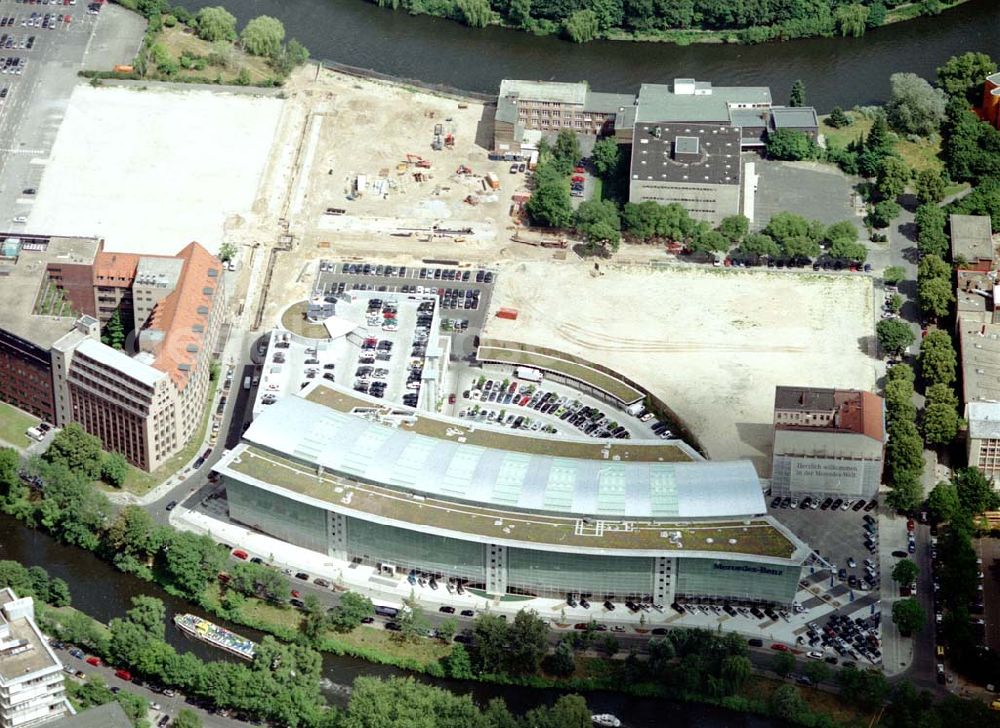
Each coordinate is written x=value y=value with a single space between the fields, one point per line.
x=915 y=107
x=894 y=336
x=263 y=36
x=215 y=23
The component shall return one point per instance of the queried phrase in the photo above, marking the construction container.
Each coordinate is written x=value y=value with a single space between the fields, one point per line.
x=507 y=313
x=492 y=181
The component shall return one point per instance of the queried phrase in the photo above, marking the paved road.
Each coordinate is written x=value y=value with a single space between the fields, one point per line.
x=168 y=705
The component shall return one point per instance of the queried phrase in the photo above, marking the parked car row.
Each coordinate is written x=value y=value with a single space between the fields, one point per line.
x=748 y=611
x=833 y=504
x=855 y=638
x=458 y=298
x=505 y=419
x=589 y=420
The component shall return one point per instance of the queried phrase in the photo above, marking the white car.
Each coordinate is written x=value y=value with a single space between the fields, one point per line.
x=814 y=655
x=21 y=219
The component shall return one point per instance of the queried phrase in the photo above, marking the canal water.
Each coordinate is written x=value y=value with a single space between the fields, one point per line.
x=102 y=592
x=836 y=71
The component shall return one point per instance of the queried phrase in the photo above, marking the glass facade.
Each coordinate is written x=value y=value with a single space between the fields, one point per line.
x=374 y=543
x=550 y=574
x=284 y=518
x=736 y=580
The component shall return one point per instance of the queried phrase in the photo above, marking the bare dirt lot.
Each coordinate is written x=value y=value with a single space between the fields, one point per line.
x=150 y=170
x=712 y=343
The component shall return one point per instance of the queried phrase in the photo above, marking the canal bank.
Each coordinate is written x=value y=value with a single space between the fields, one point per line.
x=102 y=592
x=836 y=71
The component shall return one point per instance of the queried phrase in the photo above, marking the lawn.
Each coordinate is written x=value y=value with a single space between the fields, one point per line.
x=13 y=424
x=140 y=482
x=179 y=43
x=423 y=651
x=918 y=155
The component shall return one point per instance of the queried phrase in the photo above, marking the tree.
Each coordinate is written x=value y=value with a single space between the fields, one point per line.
x=883 y=213
x=893 y=274
x=893 y=176
x=562 y=661
x=843 y=240
x=931 y=266
x=759 y=244
x=12 y=490
x=605 y=157
x=931 y=239
x=817 y=672
x=963 y=76
x=734 y=227
x=786 y=702
x=189 y=561
x=975 y=493
x=852 y=20
x=837 y=118
x=457 y=664
x=215 y=23
x=598 y=222
x=894 y=336
x=227 y=251
x=491 y=642
x=447 y=629
x=930 y=186
x=915 y=107
x=566 y=151
x=786 y=225
x=350 y=612
x=868 y=688
x=735 y=670
x=876 y=14
x=263 y=36
x=581 y=26
x=935 y=296
x=938 y=359
x=114 y=331
x=114 y=469
x=943 y=502
x=313 y=618
x=905 y=572
x=797 y=97
x=895 y=303
x=783 y=663
x=549 y=204
x=520 y=13
x=59 y=595
x=187 y=718
x=905 y=451
x=476 y=13
x=908 y=616
x=76 y=449
x=790 y=145
x=528 y=642
x=706 y=240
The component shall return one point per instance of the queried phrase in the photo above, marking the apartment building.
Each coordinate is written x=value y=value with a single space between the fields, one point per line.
x=827 y=442
x=146 y=406
x=31 y=677
x=972 y=241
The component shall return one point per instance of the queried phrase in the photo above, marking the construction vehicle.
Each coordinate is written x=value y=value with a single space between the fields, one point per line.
x=424 y=164
x=437 y=145
x=462 y=169
x=438 y=130
x=449 y=140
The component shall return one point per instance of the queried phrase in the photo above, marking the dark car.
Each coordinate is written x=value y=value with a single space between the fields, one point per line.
x=899 y=554
x=302 y=575
x=446 y=609
x=872 y=505
x=171 y=505
x=754 y=642
x=467 y=613
x=858 y=506
x=776 y=501
x=825 y=505
x=837 y=504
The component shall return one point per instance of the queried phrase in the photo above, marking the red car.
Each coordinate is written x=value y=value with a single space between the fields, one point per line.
x=123 y=675
x=241 y=554
x=779 y=647
x=95 y=661
x=295 y=594
x=579 y=170
x=578 y=178
x=910 y=525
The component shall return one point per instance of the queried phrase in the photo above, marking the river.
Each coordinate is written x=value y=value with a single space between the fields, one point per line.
x=836 y=71
x=104 y=593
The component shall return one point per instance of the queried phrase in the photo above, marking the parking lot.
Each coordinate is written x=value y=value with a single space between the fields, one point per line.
x=36 y=94
x=815 y=191
x=468 y=309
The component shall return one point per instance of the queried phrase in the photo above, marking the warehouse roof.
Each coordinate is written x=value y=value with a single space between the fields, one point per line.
x=788 y=117
x=655 y=147
x=971 y=238
x=565 y=93
x=445 y=464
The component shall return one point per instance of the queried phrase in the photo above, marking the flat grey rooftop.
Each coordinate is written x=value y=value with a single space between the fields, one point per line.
x=984 y=420
x=556 y=91
x=23 y=265
x=658 y=102
x=788 y=117
x=971 y=238
x=109 y=715
x=655 y=146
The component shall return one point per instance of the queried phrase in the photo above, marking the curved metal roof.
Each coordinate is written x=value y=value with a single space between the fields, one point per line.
x=448 y=468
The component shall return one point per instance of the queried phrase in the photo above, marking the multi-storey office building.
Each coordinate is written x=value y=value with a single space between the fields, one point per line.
x=57 y=295
x=31 y=677
x=507 y=513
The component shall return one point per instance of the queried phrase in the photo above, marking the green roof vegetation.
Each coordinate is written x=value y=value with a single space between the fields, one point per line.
x=754 y=537
x=624 y=450
x=599 y=380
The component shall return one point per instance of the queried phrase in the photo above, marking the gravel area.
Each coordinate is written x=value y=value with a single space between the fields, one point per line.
x=712 y=343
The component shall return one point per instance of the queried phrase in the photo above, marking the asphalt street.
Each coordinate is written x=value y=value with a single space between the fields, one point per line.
x=168 y=705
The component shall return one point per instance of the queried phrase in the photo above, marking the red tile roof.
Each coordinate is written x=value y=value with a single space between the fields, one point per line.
x=860 y=412
x=185 y=307
x=115 y=269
